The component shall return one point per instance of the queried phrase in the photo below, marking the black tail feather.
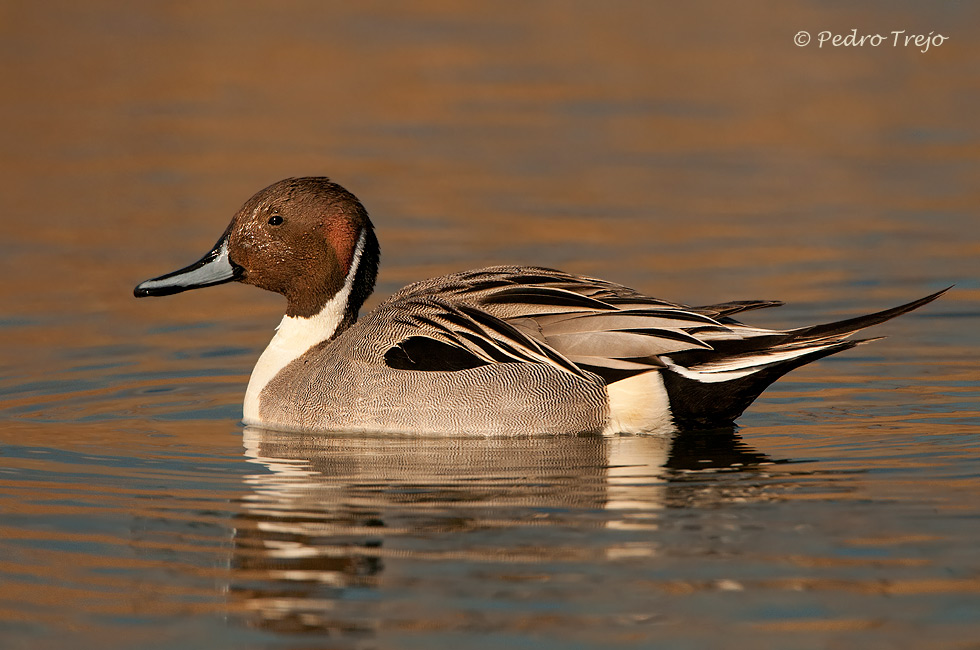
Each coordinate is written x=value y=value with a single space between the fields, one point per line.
x=851 y=325
x=693 y=402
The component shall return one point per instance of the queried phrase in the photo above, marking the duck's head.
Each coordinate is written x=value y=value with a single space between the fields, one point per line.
x=306 y=238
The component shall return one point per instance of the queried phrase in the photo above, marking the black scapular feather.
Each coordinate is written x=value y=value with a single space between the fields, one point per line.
x=424 y=353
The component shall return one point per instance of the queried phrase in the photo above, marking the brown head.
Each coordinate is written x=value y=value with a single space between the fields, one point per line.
x=298 y=237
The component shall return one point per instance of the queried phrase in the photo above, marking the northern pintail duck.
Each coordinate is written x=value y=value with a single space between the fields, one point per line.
x=495 y=350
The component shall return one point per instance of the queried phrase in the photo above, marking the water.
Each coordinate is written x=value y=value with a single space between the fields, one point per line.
x=693 y=152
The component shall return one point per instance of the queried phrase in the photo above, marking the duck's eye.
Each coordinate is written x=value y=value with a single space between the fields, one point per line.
x=275 y=220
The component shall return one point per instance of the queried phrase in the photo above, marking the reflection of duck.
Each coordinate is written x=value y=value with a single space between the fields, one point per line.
x=327 y=516
x=714 y=449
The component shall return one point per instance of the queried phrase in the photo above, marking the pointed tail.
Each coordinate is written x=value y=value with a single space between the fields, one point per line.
x=708 y=387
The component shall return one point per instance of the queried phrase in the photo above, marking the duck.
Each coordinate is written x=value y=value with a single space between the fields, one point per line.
x=496 y=350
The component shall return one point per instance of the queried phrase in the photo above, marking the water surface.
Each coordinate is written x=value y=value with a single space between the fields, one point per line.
x=693 y=152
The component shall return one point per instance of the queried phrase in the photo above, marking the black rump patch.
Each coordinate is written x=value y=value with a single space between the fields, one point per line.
x=695 y=403
x=424 y=353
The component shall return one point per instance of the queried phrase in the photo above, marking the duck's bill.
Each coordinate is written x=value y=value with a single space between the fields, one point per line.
x=213 y=268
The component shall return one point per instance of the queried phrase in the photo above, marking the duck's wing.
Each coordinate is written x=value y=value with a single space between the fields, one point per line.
x=441 y=335
x=588 y=324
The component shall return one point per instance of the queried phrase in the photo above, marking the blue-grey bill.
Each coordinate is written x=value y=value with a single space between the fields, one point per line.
x=213 y=268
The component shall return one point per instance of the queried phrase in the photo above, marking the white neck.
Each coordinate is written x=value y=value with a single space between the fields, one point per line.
x=297 y=334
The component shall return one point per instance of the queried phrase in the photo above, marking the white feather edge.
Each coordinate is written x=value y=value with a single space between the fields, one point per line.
x=718 y=371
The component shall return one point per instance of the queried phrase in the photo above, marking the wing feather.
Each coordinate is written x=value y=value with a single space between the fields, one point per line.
x=486 y=338
x=624 y=345
x=573 y=323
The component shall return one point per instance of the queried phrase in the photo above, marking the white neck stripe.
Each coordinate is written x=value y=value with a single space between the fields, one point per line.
x=295 y=335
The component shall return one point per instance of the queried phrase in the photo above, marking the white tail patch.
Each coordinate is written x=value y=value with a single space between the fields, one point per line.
x=638 y=405
x=295 y=335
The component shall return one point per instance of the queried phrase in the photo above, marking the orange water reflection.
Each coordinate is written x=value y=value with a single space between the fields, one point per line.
x=690 y=150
